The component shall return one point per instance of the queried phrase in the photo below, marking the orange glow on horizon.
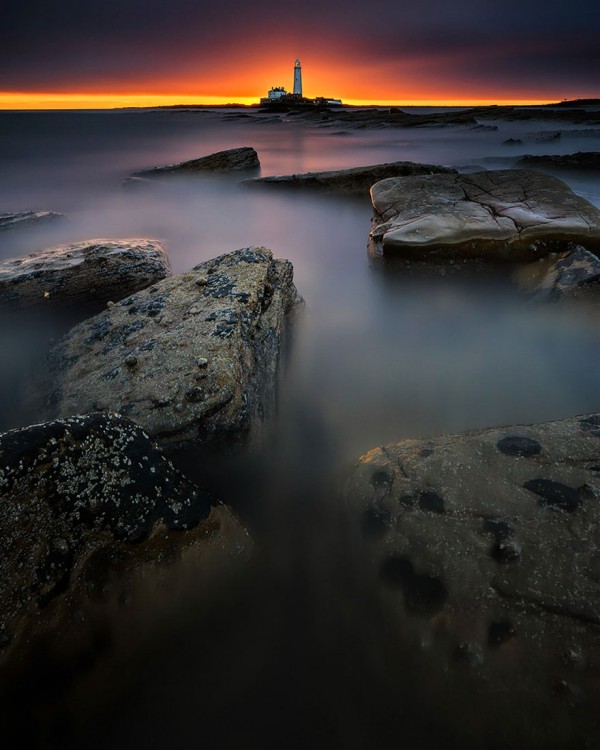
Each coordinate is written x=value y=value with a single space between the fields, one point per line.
x=69 y=100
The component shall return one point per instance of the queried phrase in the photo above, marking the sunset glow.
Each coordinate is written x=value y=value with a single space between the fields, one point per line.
x=49 y=101
x=440 y=54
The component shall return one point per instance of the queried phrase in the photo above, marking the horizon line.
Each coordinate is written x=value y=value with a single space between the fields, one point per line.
x=72 y=101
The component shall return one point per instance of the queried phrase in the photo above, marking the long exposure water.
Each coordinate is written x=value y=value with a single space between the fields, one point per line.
x=299 y=654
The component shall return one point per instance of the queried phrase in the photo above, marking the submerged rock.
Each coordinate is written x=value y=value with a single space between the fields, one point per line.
x=572 y=274
x=355 y=181
x=490 y=549
x=28 y=219
x=504 y=215
x=101 y=541
x=85 y=273
x=192 y=358
x=234 y=159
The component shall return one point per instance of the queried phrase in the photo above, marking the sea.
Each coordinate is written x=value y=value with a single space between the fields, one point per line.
x=298 y=660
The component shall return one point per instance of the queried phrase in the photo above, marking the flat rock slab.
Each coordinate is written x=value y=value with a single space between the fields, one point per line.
x=191 y=358
x=85 y=273
x=28 y=219
x=92 y=515
x=355 y=181
x=485 y=546
x=503 y=215
x=582 y=160
x=234 y=159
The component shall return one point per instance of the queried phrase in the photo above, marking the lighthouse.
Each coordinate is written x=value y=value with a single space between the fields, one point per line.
x=297 y=79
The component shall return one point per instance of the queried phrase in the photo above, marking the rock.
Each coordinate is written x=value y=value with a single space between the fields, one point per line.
x=504 y=215
x=582 y=160
x=206 y=346
x=85 y=273
x=512 y=142
x=234 y=159
x=568 y=275
x=102 y=543
x=506 y=566
x=28 y=219
x=356 y=181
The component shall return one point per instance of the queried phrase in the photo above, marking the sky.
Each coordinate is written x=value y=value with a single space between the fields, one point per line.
x=61 y=53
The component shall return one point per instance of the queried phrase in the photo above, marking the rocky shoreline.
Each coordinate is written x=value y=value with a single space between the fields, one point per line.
x=484 y=545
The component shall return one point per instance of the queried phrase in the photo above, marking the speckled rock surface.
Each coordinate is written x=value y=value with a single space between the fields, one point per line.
x=84 y=273
x=70 y=487
x=485 y=549
x=192 y=358
x=570 y=275
x=28 y=219
x=356 y=181
x=233 y=159
x=103 y=545
x=503 y=215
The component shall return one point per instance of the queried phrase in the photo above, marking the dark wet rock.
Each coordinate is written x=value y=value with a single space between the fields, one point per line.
x=28 y=219
x=503 y=215
x=553 y=494
x=231 y=160
x=498 y=506
x=74 y=488
x=571 y=275
x=375 y=522
x=105 y=549
x=591 y=425
x=431 y=501
x=85 y=274
x=500 y=632
x=516 y=445
x=500 y=530
x=512 y=581
x=355 y=181
x=506 y=551
x=547 y=136
x=423 y=593
x=189 y=362
x=512 y=142
x=582 y=160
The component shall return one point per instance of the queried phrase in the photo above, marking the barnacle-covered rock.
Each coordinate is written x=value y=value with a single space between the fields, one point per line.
x=191 y=358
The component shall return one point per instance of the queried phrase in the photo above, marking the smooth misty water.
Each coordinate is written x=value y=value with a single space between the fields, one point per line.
x=377 y=357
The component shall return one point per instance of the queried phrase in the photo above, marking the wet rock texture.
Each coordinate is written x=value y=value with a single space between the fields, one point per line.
x=570 y=275
x=84 y=273
x=582 y=160
x=102 y=544
x=503 y=215
x=192 y=358
x=356 y=181
x=71 y=487
x=28 y=219
x=485 y=547
x=234 y=159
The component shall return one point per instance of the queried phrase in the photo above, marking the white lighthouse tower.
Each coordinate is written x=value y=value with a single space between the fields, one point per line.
x=297 y=79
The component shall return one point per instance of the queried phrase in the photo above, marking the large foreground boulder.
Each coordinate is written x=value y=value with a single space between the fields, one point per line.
x=102 y=544
x=28 y=219
x=233 y=159
x=510 y=215
x=82 y=274
x=355 y=181
x=485 y=550
x=191 y=358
